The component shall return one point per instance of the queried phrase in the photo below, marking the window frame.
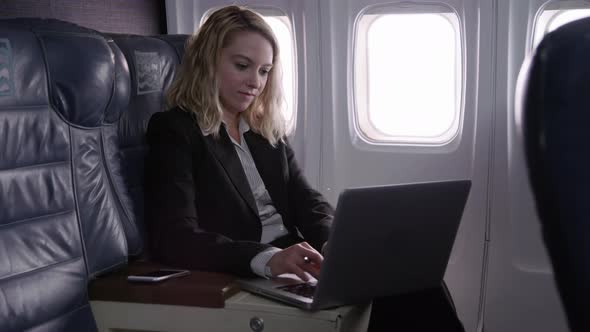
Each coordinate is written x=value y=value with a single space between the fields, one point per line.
x=358 y=76
x=559 y=7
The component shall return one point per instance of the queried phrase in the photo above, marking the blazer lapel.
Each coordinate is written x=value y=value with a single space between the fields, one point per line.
x=223 y=149
x=271 y=167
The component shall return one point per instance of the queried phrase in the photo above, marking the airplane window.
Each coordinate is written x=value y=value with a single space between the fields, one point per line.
x=280 y=26
x=550 y=20
x=408 y=78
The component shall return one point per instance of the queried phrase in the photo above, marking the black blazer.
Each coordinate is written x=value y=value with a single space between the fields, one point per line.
x=200 y=210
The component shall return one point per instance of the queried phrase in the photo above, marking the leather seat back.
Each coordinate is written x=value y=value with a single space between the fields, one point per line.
x=61 y=88
x=74 y=107
x=152 y=66
x=555 y=87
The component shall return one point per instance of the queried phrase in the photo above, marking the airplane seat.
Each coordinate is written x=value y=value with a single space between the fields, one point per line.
x=554 y=92
x=152 y=66
x=176 y=41
x=61 y=87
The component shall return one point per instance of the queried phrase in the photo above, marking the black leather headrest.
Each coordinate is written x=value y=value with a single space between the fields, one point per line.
x=176 y=41
x=152 y=65
x=555 y=85
x=87 y=98
x=23 y=82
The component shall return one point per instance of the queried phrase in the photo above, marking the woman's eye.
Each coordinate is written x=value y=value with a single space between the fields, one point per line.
x=241 y=66
x=264 y=71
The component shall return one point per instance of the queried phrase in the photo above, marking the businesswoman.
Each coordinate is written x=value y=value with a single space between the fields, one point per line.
x=223 y=190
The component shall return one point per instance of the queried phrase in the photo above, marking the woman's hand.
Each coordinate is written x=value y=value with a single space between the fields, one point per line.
x=297 y=259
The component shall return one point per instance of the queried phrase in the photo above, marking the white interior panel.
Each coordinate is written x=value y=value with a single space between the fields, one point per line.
x=345 y=165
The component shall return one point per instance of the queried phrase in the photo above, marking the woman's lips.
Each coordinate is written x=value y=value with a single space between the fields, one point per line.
x=247 y=96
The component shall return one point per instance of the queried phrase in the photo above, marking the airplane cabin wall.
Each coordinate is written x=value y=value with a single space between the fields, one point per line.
x=499 y=274
x=346 y=164
x=134 y=17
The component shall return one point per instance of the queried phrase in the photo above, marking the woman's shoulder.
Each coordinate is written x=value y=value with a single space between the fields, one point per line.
x=173 y=115
x=174 y=118
x=174 y=121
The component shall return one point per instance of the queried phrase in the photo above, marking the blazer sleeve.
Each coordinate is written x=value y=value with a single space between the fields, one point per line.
x=173 y=225
x=313 y=214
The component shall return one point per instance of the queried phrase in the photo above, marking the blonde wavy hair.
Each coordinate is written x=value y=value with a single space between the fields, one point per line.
x=195 y=88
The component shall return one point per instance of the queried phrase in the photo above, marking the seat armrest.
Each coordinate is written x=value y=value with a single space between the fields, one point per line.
x=199 y=288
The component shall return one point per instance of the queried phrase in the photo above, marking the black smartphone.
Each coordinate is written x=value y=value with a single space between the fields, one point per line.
x=158 y=275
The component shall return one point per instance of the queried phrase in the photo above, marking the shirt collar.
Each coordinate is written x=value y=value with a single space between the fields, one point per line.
x=242 y=127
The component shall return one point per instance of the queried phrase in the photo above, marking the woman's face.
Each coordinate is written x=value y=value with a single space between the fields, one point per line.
x=243 y=70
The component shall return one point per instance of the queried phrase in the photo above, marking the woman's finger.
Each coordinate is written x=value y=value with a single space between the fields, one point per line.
x=299 y=272
x=306 y=245
x=312 y=268
x=312 y=256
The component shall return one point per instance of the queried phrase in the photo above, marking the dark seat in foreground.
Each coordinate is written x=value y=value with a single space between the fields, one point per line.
x=555 y=93
x=74 y=105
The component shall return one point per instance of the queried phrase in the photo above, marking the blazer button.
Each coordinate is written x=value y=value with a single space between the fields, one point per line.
x=256 y=324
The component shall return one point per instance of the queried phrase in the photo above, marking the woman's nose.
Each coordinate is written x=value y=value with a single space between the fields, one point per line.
x=253 y=81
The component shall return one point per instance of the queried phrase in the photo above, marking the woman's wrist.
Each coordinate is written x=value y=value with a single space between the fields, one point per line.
x=259 y=264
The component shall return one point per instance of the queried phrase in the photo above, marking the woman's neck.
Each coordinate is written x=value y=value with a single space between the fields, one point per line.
x=232 y=122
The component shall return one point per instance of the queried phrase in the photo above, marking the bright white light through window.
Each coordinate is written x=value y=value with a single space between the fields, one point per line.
x=550 y=20
x=408 y=78
x=281 y=30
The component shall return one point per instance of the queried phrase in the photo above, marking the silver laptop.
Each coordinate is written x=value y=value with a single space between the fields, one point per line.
x=384 y=240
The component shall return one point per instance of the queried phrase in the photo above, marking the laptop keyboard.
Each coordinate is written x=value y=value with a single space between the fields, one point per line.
x=305 y=290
